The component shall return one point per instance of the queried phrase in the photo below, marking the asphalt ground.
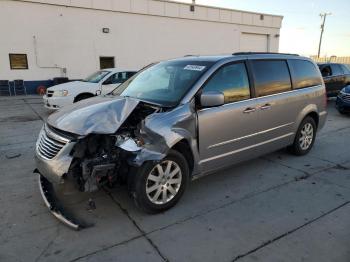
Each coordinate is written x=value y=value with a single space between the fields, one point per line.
x=275 y=208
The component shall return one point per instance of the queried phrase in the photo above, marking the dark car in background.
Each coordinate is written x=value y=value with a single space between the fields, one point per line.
x=335 y=76
x=343 y=100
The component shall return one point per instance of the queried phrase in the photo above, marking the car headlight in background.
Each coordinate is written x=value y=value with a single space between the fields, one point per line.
x=61 y=93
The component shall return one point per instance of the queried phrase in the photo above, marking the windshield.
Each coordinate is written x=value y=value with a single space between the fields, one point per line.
x=165 y=83
x=96 y=77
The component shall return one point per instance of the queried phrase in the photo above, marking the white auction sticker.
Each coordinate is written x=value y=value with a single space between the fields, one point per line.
x=194 y=67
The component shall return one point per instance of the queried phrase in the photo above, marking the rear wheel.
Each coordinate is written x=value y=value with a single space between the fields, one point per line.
x=159 y=186
x=305 y=137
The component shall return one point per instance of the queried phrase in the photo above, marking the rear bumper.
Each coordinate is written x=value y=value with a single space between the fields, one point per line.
x=322 y=119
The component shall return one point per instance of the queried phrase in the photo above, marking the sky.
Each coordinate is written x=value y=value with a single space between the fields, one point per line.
x=301 y=24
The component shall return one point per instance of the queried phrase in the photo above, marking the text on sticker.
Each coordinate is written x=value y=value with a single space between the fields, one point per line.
x=194 y=67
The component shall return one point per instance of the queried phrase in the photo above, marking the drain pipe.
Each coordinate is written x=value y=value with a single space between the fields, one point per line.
x=63 y=70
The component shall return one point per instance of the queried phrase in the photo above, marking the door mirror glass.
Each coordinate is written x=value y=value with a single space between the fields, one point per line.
x=212 y=98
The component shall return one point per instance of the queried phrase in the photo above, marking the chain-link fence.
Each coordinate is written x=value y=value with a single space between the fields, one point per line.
x=332 y=59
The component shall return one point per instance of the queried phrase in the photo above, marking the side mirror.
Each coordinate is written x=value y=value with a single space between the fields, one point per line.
x=212 y=98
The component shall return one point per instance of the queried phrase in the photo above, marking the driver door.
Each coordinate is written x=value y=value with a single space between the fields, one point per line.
x=226 y=132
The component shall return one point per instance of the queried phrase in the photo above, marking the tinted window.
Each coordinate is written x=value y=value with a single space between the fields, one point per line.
x=271 y=77
x=345 y=69
x=336 y=70
x=232 y=81
x=325 y=70
x=305 y=74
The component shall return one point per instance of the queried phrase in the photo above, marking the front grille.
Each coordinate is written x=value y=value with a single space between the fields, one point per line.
x=49 y=93
x=345 y=97
x=50 y=144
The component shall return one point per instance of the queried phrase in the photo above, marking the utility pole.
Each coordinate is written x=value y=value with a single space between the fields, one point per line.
x=323 y=17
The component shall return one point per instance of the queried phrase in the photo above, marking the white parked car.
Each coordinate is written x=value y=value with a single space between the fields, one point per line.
x=99 y=83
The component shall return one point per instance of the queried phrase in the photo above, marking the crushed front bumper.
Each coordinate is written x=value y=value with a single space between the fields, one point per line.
x=49 y=197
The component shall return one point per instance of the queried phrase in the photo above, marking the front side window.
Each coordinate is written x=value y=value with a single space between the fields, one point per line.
x=164 y=83
x=305 y=74
x=345 y=69
x=117 y=78
x=96 y=77
x=232 y=81
x=271 y=77
x=326 y=70
x=337 y=70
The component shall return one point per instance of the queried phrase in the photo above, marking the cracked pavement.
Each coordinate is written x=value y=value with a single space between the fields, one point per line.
x=275 y=208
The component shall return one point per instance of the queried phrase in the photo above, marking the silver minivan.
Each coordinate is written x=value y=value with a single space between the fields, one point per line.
x=180 y=119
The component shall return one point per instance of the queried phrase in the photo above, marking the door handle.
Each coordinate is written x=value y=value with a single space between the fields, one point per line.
x=265 y=107
x=249 y=110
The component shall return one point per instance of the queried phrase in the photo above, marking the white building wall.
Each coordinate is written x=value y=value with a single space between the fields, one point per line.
x=68 y=34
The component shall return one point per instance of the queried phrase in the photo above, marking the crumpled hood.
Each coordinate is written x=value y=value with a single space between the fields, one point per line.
x=100 y=115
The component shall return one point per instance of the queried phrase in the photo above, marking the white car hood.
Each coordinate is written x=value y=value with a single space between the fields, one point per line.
x=75 y=85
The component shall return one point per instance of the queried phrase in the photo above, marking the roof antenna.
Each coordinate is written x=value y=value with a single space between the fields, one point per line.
x=192 y=6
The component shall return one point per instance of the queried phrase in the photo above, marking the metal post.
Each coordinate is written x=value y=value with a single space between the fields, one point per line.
x=324 y=16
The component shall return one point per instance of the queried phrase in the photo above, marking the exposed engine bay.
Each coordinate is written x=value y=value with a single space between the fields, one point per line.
x=100 y=159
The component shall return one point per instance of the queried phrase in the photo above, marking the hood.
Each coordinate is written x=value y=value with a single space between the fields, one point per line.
x=346 y=89
x=101 y=115
x=71 y=85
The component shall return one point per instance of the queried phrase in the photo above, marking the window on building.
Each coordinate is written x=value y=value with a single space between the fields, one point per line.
x=271 y=77
x=106 y=62
x=232 y=81
x=18 y=61
x=305 y=74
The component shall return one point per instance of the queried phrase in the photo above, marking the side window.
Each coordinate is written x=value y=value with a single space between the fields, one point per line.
x=336 y=69
x=345 y=69
x=305 y=74
x=271 y=77
x=326 y=71
x=232 y=81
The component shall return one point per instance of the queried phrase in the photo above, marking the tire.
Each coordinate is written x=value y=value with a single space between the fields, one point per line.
x=148 y=182
x=82 y=97
x=306 y=132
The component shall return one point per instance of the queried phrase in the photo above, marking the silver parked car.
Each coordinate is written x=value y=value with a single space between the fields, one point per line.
x=180 y=119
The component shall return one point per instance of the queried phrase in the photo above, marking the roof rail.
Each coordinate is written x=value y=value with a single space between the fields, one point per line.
x=262 y=53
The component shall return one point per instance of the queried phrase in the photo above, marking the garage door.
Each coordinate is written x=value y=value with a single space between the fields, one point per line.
x=253 y=43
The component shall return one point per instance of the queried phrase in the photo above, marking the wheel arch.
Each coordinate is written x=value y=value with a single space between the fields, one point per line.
x=88 y=94
x=184 y=148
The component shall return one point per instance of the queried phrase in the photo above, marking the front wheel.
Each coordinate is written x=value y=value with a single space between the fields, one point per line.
x=159 y=186
x=305 y=137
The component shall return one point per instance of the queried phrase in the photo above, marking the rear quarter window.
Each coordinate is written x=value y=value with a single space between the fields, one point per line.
x=304 y=73
x=271 y=77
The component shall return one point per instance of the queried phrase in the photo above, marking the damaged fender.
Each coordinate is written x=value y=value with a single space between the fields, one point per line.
x=161 y=131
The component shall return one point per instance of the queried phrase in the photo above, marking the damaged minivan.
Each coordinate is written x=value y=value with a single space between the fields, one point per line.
x=180 y=119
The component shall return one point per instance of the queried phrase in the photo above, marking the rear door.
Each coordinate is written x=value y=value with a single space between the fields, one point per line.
x=226 y=133
x=275 y=102
x=339 y=77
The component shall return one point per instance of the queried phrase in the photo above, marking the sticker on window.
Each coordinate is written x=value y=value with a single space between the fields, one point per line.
x=194 y=67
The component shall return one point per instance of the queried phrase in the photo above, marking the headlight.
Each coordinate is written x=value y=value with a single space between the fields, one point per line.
x=61 y=93
x=343 y=91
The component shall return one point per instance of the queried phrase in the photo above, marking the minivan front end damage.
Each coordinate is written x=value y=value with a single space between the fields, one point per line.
x=136 y=132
